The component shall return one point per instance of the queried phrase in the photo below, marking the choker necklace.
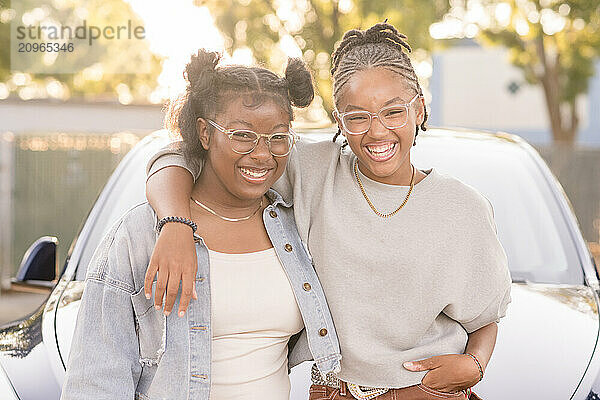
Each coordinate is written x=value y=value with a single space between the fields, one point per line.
x=226 y=218
x=380 y=214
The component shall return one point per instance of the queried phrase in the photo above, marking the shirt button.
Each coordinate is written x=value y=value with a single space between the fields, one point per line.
x=323 y=332
x=306 y=286
x=273 y=214
x=288 y=247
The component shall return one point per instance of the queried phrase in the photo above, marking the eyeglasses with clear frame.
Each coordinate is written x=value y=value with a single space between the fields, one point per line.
x=359 y=122
x=244 y=141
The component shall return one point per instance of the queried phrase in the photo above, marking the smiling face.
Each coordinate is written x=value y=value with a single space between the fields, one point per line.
x=238 y=178
x=383 y=154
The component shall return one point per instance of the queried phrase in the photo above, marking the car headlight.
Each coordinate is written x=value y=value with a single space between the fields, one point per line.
x=6 y=389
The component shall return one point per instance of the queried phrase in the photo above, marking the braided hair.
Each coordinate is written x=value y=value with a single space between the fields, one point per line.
x=210 y=87
x=379 y=46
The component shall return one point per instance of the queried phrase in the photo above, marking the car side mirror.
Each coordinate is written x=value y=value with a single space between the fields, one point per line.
x=40 y=264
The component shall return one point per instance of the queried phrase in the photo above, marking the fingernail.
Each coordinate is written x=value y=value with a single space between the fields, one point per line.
x=148 y=295
x=157 y=307
x=408 y=364
x=167 y=313
x=181 y=313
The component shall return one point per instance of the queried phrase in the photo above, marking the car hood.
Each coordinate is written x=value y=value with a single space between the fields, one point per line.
x=24 y=357
x=545 y=343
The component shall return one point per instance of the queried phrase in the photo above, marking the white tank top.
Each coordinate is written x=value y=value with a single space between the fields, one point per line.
x=254 y=313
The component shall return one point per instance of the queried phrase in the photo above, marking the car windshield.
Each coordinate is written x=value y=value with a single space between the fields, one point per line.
x=530 y=223
x=529 y=220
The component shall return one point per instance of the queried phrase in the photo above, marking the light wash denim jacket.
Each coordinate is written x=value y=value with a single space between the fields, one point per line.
x=123 y=348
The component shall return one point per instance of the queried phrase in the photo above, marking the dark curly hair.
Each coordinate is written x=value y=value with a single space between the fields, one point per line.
x=211 y=86
x=379 y=46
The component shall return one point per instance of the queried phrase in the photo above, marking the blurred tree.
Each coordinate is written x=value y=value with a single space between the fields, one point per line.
x=4 y=40
x=556 y=44
x=92 y=81
x=311 y=28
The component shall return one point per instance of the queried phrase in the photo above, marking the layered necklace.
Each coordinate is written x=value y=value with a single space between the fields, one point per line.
x=364 y=193
x=213 y=212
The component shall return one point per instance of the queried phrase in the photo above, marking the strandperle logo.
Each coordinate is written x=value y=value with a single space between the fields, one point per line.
x=82 y=32
x=46 y=39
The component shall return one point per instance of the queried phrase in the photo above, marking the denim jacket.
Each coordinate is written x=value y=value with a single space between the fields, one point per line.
x=123 y=348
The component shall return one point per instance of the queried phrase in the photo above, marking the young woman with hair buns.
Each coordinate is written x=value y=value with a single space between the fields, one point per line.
x=413 y=271
x=253 y=275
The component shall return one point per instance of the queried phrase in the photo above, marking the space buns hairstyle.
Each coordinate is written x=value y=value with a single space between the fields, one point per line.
x=379 y=46
x=210 y=86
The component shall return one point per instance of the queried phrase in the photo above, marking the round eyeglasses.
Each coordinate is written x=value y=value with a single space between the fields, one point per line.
x=244 y=141
x=359 y=122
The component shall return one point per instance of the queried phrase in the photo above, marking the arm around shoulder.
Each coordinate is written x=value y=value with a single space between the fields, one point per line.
x=174 y=256
x=169 y=156
x=168 y=189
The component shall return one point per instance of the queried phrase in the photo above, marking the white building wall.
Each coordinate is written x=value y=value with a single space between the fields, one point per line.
x=76 y=117
x=470 y=89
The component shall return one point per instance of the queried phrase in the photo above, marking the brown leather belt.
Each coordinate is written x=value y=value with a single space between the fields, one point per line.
x=349 y=390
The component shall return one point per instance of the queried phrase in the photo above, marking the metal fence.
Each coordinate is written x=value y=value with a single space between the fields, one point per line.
x=54 y=180
x=578 y=170
x=48 y=183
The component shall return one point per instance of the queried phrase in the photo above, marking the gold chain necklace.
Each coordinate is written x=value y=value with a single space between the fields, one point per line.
x=227 y=218
x=380 y=214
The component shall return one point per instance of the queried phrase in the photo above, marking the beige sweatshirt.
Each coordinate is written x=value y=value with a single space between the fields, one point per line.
x=402 y=288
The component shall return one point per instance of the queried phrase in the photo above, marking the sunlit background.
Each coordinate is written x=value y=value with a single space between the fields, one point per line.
x=175 y=30
x=528 y=67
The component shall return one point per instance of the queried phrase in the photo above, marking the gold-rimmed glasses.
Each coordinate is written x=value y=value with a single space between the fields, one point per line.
x=244 y=141
x=359 y=121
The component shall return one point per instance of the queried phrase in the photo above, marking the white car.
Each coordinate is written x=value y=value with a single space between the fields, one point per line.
x=547 y=343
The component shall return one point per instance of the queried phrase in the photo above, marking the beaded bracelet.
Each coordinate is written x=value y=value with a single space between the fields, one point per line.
x=478 y=365
x=181 y=220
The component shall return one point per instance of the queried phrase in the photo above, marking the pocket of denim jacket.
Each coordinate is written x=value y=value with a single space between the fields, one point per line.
x=152 y=328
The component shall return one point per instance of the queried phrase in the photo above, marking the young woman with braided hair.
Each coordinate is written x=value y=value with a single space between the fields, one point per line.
x=251 y=298
x=409 y=260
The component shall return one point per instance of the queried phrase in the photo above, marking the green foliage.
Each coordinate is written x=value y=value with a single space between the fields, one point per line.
x=316 y=26
x=575 y=49
x=4 y=40
x=118 y=55
x=556 y=44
